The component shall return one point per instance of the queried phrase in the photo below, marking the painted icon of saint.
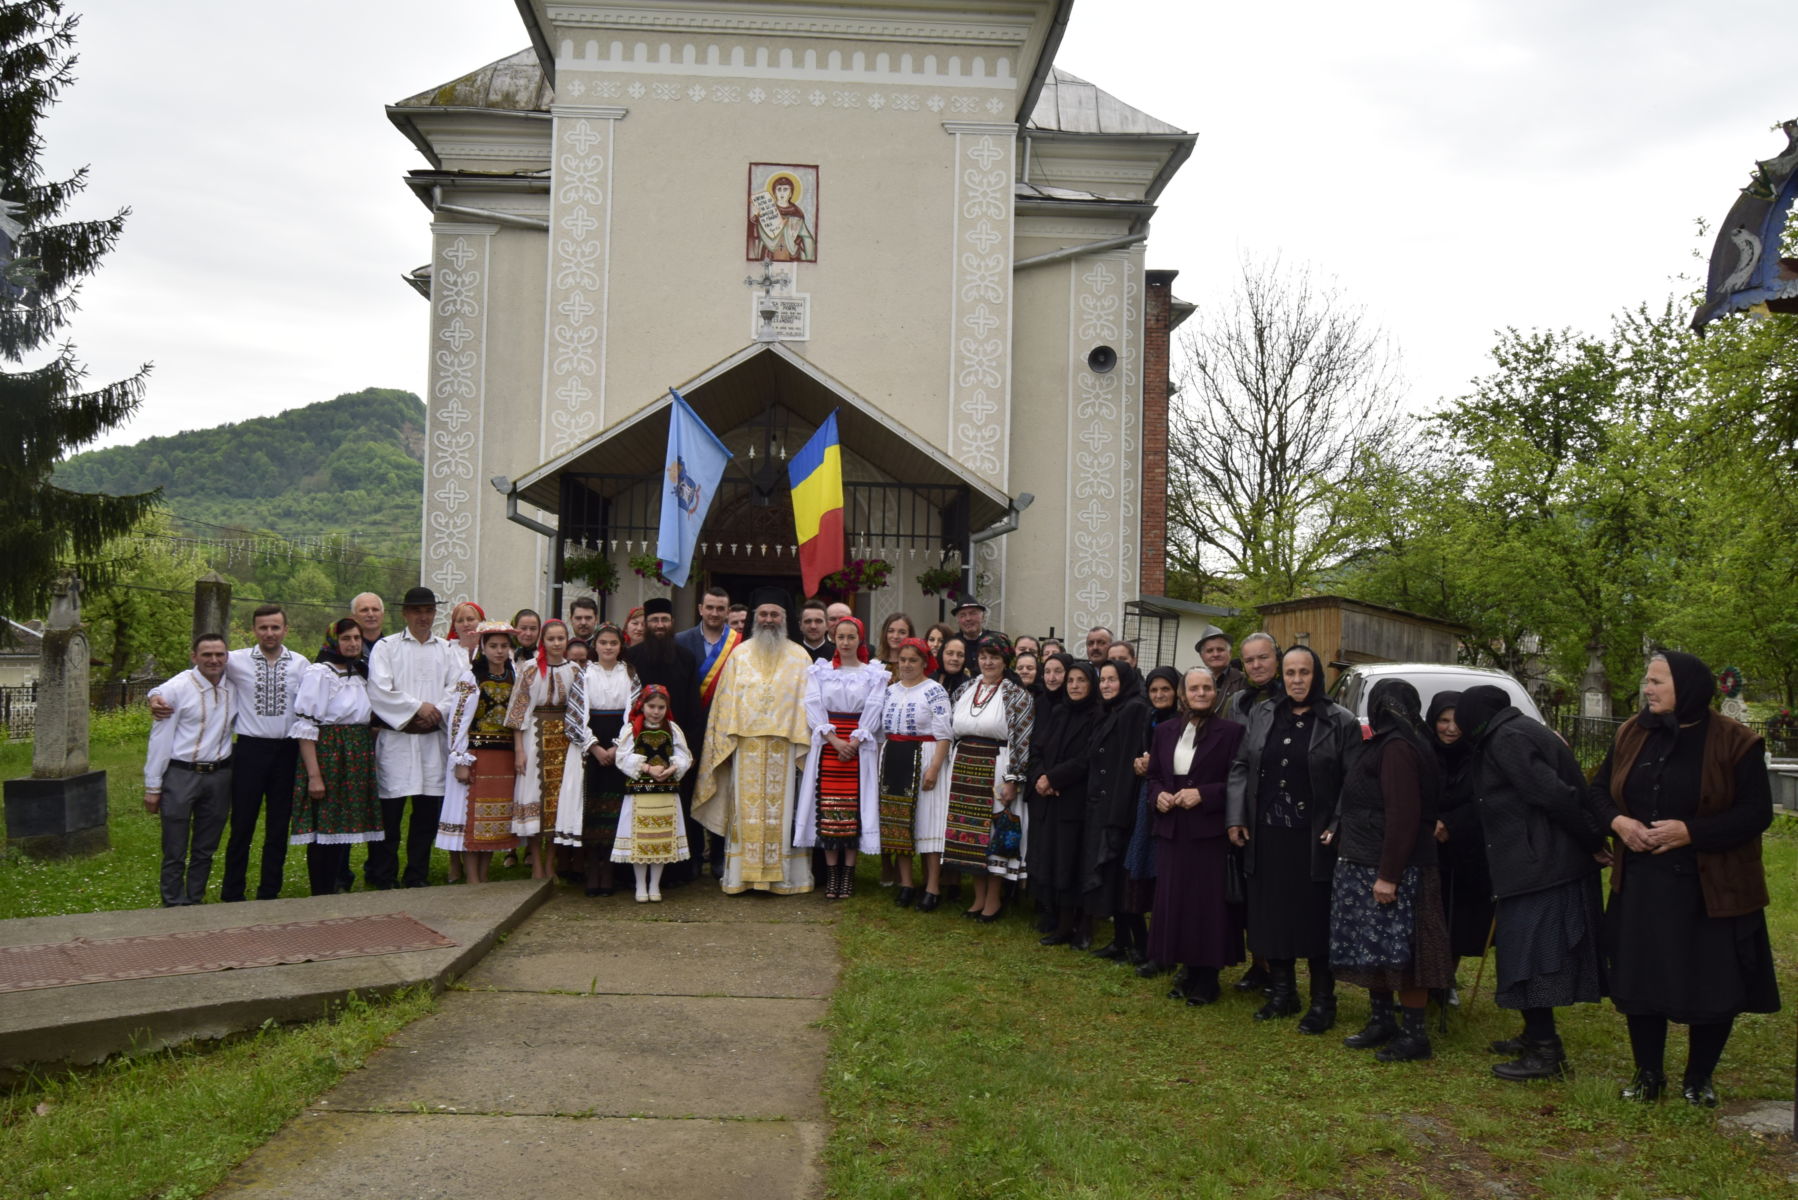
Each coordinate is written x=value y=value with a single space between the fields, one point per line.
x=778 y=231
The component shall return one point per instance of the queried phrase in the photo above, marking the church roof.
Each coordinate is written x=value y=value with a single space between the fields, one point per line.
x=515 y=82
x=1069 y=104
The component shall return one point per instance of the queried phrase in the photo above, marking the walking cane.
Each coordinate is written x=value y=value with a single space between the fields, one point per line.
x=1481 y=974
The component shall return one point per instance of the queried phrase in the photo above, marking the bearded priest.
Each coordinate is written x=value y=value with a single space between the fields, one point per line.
x=754 y=736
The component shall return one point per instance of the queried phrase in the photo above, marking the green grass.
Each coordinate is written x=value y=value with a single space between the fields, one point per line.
x=126 y=875
x=171 y=1124
x=968 y=1061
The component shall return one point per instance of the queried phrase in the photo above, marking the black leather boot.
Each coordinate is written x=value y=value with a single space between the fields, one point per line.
x=1255 y=979
x=1645 y=1087
x=1282 y=995
x=1699 y=1093
x=1510 y=1047
x=1412 y=1043
x=1111 y=949
x=1541 y=1059
x=1380 y=1027
x=1321 y=1018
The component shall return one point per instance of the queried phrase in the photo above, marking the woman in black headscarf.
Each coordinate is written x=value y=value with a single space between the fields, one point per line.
x=1121 y=736
x=1161 y=688
x=1058 y=784
x=1283 y=788
x=1387 y=931
x=1188 y=778
x=1461 y=847
x=1047 y=696
x=1541 y=841
x=1685 y=791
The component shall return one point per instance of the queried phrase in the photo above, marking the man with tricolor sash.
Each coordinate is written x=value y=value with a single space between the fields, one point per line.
x=709 y=643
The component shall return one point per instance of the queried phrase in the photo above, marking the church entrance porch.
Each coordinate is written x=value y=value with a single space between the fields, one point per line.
x=916 y=509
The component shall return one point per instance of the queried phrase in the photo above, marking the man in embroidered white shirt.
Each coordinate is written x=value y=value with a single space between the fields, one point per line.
x=187 y=772
x=410 y=674
x=264 y=678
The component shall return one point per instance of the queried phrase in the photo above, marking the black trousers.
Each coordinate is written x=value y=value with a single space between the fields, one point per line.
x=383 y=867
x=262 y=772
x=326 y=866
x=194 y=808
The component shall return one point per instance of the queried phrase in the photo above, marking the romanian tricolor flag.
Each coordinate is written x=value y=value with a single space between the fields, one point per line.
x=816 y=474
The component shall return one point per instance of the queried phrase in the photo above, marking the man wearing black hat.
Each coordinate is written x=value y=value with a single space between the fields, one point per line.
x=755 y=734
x=409 y=672
x=970 y=617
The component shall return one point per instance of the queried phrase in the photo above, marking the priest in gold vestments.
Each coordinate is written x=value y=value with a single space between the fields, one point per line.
x=753 y=737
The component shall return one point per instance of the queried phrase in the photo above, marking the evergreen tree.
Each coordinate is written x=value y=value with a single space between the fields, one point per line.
x=44 y=409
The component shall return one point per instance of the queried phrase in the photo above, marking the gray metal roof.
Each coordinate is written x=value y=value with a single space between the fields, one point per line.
x=515 y=82
x=1069 y=104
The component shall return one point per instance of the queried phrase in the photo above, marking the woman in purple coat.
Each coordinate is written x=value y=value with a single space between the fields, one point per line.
x=1189 y=768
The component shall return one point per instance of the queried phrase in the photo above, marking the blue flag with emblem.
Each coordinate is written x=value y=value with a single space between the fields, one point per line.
x=690 y=478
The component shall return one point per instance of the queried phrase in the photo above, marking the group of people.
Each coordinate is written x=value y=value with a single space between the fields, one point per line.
x=1226 y=812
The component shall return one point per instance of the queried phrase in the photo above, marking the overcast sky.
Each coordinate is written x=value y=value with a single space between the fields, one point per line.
x=1455 y=167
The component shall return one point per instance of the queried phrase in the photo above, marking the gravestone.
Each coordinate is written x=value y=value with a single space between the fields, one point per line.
x=61 y=809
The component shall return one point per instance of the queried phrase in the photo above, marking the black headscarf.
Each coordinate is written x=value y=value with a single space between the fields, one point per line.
x=328 y=653
x=1694 y=686
x=1477 y=708
x=1129 y=684
x=1158 y=715
x=1392 y=711
x=1091 y=698
x=1315 y=697
x=1451 y=753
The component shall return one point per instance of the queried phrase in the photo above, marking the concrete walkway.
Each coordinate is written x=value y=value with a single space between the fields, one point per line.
x=606 y=1049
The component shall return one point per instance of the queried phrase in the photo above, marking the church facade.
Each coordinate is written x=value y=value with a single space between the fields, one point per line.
x=901 y=212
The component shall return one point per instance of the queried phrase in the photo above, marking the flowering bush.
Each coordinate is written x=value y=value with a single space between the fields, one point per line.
x=941 y=581
x=595 y=570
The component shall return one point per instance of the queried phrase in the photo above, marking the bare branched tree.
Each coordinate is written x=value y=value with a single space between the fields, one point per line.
x=1287 y=414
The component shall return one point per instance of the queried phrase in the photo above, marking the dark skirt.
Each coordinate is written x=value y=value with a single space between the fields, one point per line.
x=901 y=776
x=1548 y=947
x=1193 y=924
x=1140 y=859
x=1668 y=958
x=1289 y=912
x=1389 y=947
x=1466 y=899
x=602 y=788
x=1036 y=842
x=350 y=810
x=972 y=776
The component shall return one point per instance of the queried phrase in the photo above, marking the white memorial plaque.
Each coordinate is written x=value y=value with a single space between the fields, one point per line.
x=792 y=320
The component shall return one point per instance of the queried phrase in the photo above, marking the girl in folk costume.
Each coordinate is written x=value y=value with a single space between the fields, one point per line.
x=539 y=719
x=478 y=792
x=334 y=800
x=914 y=797
x=593 y=794
x=838 y=806
x=653 y=755
x=993 y=718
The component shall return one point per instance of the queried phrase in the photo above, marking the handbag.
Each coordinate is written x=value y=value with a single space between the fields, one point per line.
x=1008 y=835
x=1236 y=884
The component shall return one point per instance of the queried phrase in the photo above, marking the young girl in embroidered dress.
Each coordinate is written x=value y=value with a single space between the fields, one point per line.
x=539 y=715
x=653 y=755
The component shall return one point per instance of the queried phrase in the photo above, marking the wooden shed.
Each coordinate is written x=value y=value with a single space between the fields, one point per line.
x=1345 y=632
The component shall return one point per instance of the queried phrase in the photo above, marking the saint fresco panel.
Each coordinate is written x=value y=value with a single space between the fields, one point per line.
x=783 y=213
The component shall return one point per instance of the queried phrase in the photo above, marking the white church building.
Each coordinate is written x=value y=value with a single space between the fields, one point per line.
x=900 y=211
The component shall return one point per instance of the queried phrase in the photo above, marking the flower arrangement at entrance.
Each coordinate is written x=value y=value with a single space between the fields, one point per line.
x=648 y=566
x=592 y=568
x=944 y=581
x=857 y=575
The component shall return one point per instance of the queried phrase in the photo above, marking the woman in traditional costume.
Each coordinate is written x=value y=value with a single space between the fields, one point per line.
x=915 y=730
x=992 y=720
x=593 y=796
x=479 y=789
x=652 y=755
x=335 y=804
x=539 y=720
x=838 y=806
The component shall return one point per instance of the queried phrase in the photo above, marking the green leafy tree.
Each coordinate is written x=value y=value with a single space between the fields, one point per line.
x=44 y=407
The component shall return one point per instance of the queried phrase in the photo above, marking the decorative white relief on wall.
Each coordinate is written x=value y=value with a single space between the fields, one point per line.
x=989 y=564
x=980 y=303
x=457 y=392
x=763 y=63
x=1100 y=433
x=1130 y=493
x=580 y=232
x=871 y=99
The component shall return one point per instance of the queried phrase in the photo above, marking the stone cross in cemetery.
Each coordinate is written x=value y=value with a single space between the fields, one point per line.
x=61 y=809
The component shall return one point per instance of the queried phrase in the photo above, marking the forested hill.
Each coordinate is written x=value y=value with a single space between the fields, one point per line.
x=352 y=466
